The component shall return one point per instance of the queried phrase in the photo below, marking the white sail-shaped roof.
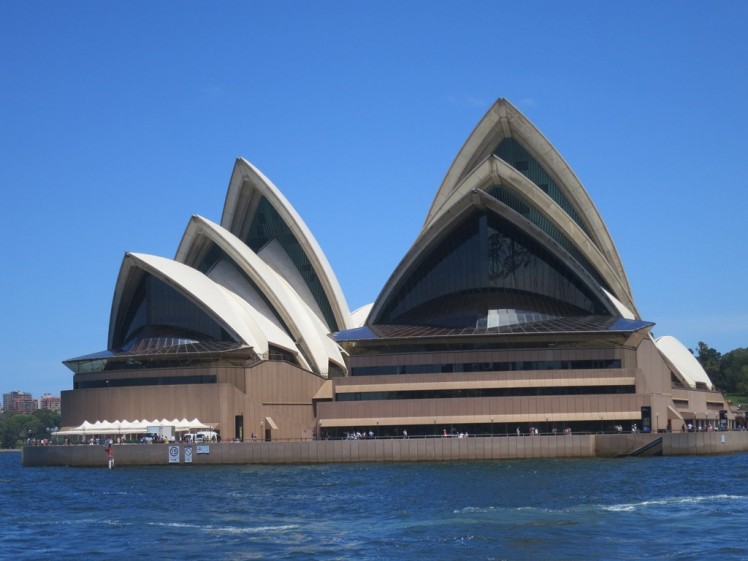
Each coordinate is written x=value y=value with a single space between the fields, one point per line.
x=542 y=211
x=263 y=291
x=360 y=315
x=682 y=361
x=248 y=190
x=503 y=121
x=215 y=301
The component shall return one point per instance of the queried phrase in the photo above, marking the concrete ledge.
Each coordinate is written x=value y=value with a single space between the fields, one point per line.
x=396 y=450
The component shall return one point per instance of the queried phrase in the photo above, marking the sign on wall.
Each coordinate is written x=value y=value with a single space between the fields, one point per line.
x=173 y=454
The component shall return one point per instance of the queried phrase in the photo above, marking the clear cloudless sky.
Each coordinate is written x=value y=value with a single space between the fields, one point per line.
x=119 y=120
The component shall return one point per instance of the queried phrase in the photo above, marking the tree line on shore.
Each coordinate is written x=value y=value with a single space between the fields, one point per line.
x=17 y=428
x=729 y=371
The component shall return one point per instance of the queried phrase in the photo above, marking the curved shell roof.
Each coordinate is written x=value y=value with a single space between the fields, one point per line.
x=212 y=299
x=279 y=295
x=503 y=122
x=509 y=171
x=523 y=198
x=360 y=315
x=255 y=211
x=245 y=274
x=682 y=361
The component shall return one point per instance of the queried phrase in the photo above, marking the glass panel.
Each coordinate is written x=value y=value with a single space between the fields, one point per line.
x=481 y=269
x=486 y=392
x=513 y=153
x=267 y=226
x=600 y=364
x=158 y=310
x=522 y=206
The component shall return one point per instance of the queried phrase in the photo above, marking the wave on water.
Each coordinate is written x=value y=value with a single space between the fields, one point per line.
x=228 y=529
x=514 y=510
x=258 y=530
x=622 y=507
x=673 y=501
x=91 y=522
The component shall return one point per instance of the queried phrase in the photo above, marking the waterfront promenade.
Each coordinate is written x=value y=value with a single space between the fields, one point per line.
x=431 y=449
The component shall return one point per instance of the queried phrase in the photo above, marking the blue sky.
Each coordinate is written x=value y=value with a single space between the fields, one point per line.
x=118 y=121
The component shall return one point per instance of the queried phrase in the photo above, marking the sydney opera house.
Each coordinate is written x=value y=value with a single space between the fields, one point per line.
x=510 y=312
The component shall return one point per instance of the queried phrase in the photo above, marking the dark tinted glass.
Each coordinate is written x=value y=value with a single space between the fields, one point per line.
x=482 y=270
x=268 y=226
x=157 y=309
x=513 y=153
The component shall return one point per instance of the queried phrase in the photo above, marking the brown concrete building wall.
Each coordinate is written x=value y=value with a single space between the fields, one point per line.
x=211 y=403
x=284 y=393
x=654 y=374
x=538 y=410
x=274 y=389
x=549 y=409
x=391 y=450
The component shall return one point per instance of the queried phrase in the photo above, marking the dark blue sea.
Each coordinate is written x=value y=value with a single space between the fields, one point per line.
x=637 y=508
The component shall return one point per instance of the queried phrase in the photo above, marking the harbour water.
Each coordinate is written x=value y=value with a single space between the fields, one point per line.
x=636 y=508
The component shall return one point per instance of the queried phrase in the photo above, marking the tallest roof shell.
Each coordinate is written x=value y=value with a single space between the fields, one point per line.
x=504 y=121
x=308 y=270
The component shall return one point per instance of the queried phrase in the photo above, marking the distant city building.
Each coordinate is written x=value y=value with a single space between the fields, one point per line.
x=19 y=402
x=50 y=403
x=510 y=314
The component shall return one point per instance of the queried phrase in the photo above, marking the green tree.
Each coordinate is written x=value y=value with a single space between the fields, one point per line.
x=15 y=428
x=48 y=418
x=743 y=384
x=710 y=360
x=8 y=432
x=734 y=370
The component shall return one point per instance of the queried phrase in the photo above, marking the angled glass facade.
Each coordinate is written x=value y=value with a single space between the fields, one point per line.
x=158 y=310
x=267 y=226
x=482 y=267
x=522 y=206
x=513 y=153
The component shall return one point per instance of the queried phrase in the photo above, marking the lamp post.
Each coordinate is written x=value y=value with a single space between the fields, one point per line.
x=262 y=430
x=601 y=424
x=657 y=416
x=434 y=426
x=377 y=435
x=491 y=426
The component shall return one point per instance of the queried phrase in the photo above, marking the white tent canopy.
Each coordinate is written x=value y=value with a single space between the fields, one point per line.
x=134 y=427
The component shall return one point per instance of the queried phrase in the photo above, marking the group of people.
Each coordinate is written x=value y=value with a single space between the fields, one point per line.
x=709 y=427
x=454 y=434
x=359 y=435
x=533 y=431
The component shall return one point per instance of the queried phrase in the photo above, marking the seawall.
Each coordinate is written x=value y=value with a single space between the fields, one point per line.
x=389 y=450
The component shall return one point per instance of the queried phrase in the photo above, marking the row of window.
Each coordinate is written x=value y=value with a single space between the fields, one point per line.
x=159 y=381
x=486 y=392
x=509 y=366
